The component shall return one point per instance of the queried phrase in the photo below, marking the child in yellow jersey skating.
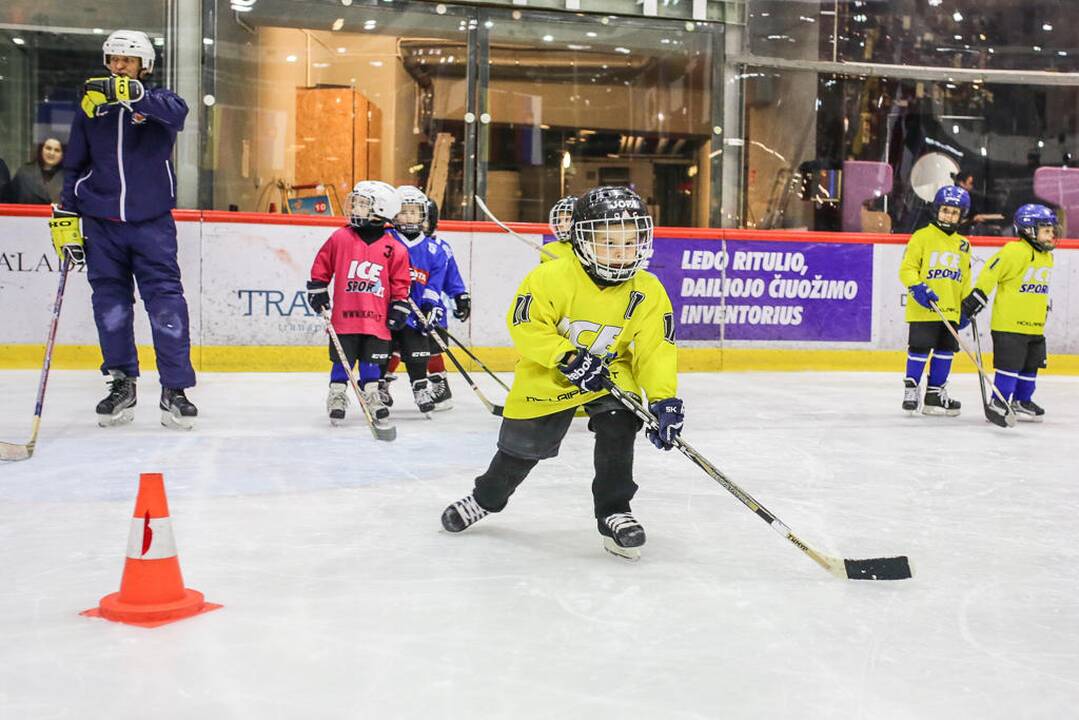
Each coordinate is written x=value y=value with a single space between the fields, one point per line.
x=935 y=270
x=580 y=322
x=1020 y=273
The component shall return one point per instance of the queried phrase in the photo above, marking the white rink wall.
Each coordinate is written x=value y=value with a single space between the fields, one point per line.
x=245 y=287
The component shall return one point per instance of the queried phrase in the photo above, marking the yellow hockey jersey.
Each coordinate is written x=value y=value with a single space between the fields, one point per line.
x=558 y=308
x=1020 y=275
x=942 y=262
x=558 y=249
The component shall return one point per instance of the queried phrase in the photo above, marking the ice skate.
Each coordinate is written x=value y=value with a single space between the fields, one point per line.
x=421 y=390
x=622 y=535
x=176 y=410
x=337 y=403
x=1028 y=411
x=384 y=390
x=440 y=391
x=119 y=407
x=462 y=514
x=937 y=402
x=910 y=396
x=372 y=395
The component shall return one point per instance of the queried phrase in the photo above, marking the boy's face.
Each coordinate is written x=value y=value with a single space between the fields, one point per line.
x=125 y=65
x=411 y=214
x=616 y=244
x=1047 y=235
x=949 y=214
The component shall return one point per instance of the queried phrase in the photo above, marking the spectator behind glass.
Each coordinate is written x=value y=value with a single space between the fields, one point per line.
x=40 y=180
x=5 y=178
x=965 y=180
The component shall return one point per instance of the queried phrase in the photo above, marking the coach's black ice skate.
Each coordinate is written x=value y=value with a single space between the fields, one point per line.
x=440 y=391
x=462 y=514
x=421 y=390
x=910 y=395
x=1028 y=410
x=176 y=410
x=337 y=402
x=372 y=395
x=937 y=402
x=119 y=407
x=622 y=535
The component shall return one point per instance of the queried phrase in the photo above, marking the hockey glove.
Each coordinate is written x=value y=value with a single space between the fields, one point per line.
x=923 y=295
x=584 y=370
x=964 y=320
x=432 y=314
x=109 y=91
x=669 y=416
x=462 y=306
x=974 y=303
x=318 y=296
x=66 y=230
x=398 y=315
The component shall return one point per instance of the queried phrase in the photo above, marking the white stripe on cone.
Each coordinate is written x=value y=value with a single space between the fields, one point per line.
x=153 y=534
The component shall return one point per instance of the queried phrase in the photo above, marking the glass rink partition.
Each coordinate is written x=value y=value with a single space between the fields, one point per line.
x=761 y=114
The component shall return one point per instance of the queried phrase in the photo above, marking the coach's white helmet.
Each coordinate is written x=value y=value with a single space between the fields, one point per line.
x=411 y=218
x=372 y=202
x=133 y=43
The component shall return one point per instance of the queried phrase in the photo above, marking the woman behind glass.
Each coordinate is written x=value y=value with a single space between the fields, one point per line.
x=40 y=180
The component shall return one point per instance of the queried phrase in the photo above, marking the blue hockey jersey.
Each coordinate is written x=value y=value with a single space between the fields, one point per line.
x=455 y=284
x=428 y=260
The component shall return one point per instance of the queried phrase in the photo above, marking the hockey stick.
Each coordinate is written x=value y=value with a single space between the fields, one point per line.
x=14 y=451
x=978 y=352
x=504 y=226
x=379 y=430
x=884 y=568
x=1009 y=415
x=427 y=324
x=476 y=360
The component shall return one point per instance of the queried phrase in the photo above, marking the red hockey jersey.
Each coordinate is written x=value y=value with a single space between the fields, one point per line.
x=366 y=279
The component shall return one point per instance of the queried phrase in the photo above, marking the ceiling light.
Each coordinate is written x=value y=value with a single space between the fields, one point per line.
x=18 y=41
x=1047 y=27
x=957 y=16
x=548 y=38
x=338 y=24
x=290 y=58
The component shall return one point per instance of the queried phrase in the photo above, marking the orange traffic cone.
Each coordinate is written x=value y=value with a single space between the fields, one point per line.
x=152 y=590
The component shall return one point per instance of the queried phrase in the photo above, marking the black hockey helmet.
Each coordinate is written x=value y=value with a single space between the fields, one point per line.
x=612 y=233
x=430 y=223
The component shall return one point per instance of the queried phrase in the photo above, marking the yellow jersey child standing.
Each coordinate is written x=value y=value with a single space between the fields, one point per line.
x=1020 y=274
x=578 y=323
x=935 y=269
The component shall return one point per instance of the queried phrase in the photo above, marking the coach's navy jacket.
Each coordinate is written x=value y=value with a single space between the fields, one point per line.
x=118 y=162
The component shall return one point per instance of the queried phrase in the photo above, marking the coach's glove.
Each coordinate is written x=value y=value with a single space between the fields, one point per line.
x=462 y=306
x=432 y=314
x=398 y=315
x=923 y=295
x=974 y=303
x=585 y=370
x=109 y=91
x=318 y=296
x=66 y=230
x=669 y=416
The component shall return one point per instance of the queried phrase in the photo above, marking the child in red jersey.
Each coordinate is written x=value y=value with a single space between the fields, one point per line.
x=371 y=282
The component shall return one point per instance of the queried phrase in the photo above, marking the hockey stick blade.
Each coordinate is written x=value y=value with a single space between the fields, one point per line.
x=890 y=568
x=1004 y=421
x=13 y=452
x=386 y=433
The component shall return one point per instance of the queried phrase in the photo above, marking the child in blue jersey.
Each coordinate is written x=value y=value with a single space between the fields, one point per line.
x=454 y=289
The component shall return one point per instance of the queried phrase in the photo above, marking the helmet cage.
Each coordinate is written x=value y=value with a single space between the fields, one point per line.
x=560 y=218
x=599 y=242
x=412 y=218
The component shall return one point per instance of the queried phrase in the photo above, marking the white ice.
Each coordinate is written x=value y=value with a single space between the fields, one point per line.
x=344 y=599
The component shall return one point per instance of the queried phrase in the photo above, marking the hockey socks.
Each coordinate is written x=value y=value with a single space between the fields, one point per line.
x=369 y=372
x=1006 y=381
x=915 y=366
x=337 y=373
x=1024 y=387
x=436 y=364
x=939 y=368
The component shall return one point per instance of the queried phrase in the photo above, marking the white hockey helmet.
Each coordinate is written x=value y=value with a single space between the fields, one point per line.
x=560 y=218
x=372 y=201
x=133 y=43
x=412 y=216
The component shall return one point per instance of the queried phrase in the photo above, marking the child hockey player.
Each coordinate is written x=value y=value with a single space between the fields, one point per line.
x=1020 y=273
x=120 y=183
x=370 y=273
x=935 y=269
x=559 y=220
x=577 y=323
x=453 y=288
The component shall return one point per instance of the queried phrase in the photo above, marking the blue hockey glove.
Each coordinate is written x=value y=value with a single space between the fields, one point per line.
x=432 y=314
x=398 y=315
x=670 y=417
x=584 y=370
x=964 y=320
x=318 y=296
x=462 y=306
x=923 y=295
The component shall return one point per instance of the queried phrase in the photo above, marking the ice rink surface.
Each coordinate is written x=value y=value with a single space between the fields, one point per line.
x=345 y=599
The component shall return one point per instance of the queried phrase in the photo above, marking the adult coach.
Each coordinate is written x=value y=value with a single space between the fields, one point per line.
x=121 y=185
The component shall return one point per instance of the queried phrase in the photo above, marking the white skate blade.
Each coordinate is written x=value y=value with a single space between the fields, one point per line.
x=124 y=417
x=631 y=554
x=934 y=410
x=1023 y=417
x=176 y=422
x=337 y=422
x=444 y=405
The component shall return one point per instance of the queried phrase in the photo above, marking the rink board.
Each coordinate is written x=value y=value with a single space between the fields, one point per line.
x=743 y=299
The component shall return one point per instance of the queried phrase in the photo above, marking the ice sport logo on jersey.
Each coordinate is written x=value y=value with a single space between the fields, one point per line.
x=365 y=276
x=1036 y=281
x=945 y=266
x=595 y=338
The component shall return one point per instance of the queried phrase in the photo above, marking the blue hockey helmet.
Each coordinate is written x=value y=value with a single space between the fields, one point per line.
x=1030 y=218
x=950 y=196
